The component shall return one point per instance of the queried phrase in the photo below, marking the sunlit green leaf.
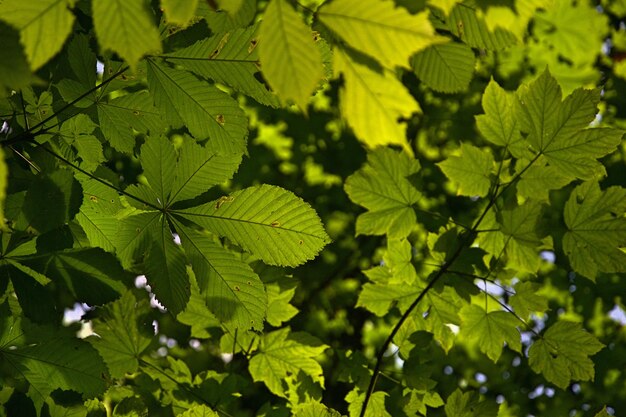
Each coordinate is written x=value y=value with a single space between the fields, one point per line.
x=596 y=229
x=490 y=330
x=447 y=67
x=179 y=12
x=471 y=170
x=290 y=61
x=44 y=26
x=268 y=221
x=562 y=353
x=468 y=404
x=379 y=28
x=205 y=110
x=126 y=27
x=281 y=353
x=526 y=301
x=382 y=187
x=372 y=101
x=465 y=23
x=229 y=58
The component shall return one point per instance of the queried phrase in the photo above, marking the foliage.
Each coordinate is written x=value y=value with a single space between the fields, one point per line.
x=315 y=208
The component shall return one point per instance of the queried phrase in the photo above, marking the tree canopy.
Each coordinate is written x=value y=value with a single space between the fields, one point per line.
x=312 y=208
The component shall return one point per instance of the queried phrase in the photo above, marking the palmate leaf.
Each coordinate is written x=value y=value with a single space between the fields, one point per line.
x=231 y=289
x=120 y=116
x=596 y=229
x=44 y=26
x=375 y=406
x=558 y=129
x=490 y=330
x=268 y=221
x=126 y=27
x=500 y=125
x=176 y=177
x=291 y=62
x=133 y=237
x=372 y=102
x=53 y=360
x=230 y=58
x=447 y=67
x=121 y=339
x=282 y=353
x=526 y=301
x=382 y=187
x=539 y=179
x=204 y=109
x=468 y=404
x=199 y=411
x=515 y=232
x=380 y=29
x=471 y=170
x=562 y=354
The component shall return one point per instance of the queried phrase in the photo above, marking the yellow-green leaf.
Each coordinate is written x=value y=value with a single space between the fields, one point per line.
x=490 y=330
x=372 y=102
x=44 y=26
x=179 y=12
x=290 y=61
x=126 y=27
x=380 y=29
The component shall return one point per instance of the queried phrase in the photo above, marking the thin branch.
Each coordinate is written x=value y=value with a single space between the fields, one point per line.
x=101 y=181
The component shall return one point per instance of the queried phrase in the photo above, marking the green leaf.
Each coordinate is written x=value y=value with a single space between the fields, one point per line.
x=372 y=101
x=197 y=315
x=500 y=125
x=126 y=27
x=231 y=289
x=468 y=404
x=91 y=275
x=122 y=336
x=44 y=26
x=526 y=301
x=562 y=354
x=537 y=181
x=230 y=58
x=198 y=169
x=596 y=229
x=179 y=12
x=14 y=68
x=291 y=62
x=471 y=170
x=602 y=413
x=314 y=409
x=559 y=129
x=447 y=68
x=268 y=221
x=382 y=187
x=279 y=293
x=52 y=200
x=490 y=330
x=380 y=298
x=100 y=204
x=165 y=267
x=133 y=237
x=472 y=29
x=398 y=259
x=57 y=362
x=517 y=235
x=375 y=405
x=122 y=115
x=199 y=411
x=158 y=160
x=282 y=353
x=204 y=109
x=380 y=29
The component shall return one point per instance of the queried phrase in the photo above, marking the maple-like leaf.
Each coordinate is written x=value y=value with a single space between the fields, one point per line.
x=596 y=229
x=559 y=129
x=471 y=170
x=562 y=354
x=282 y=353
x=382 y=187
x=490 y=330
